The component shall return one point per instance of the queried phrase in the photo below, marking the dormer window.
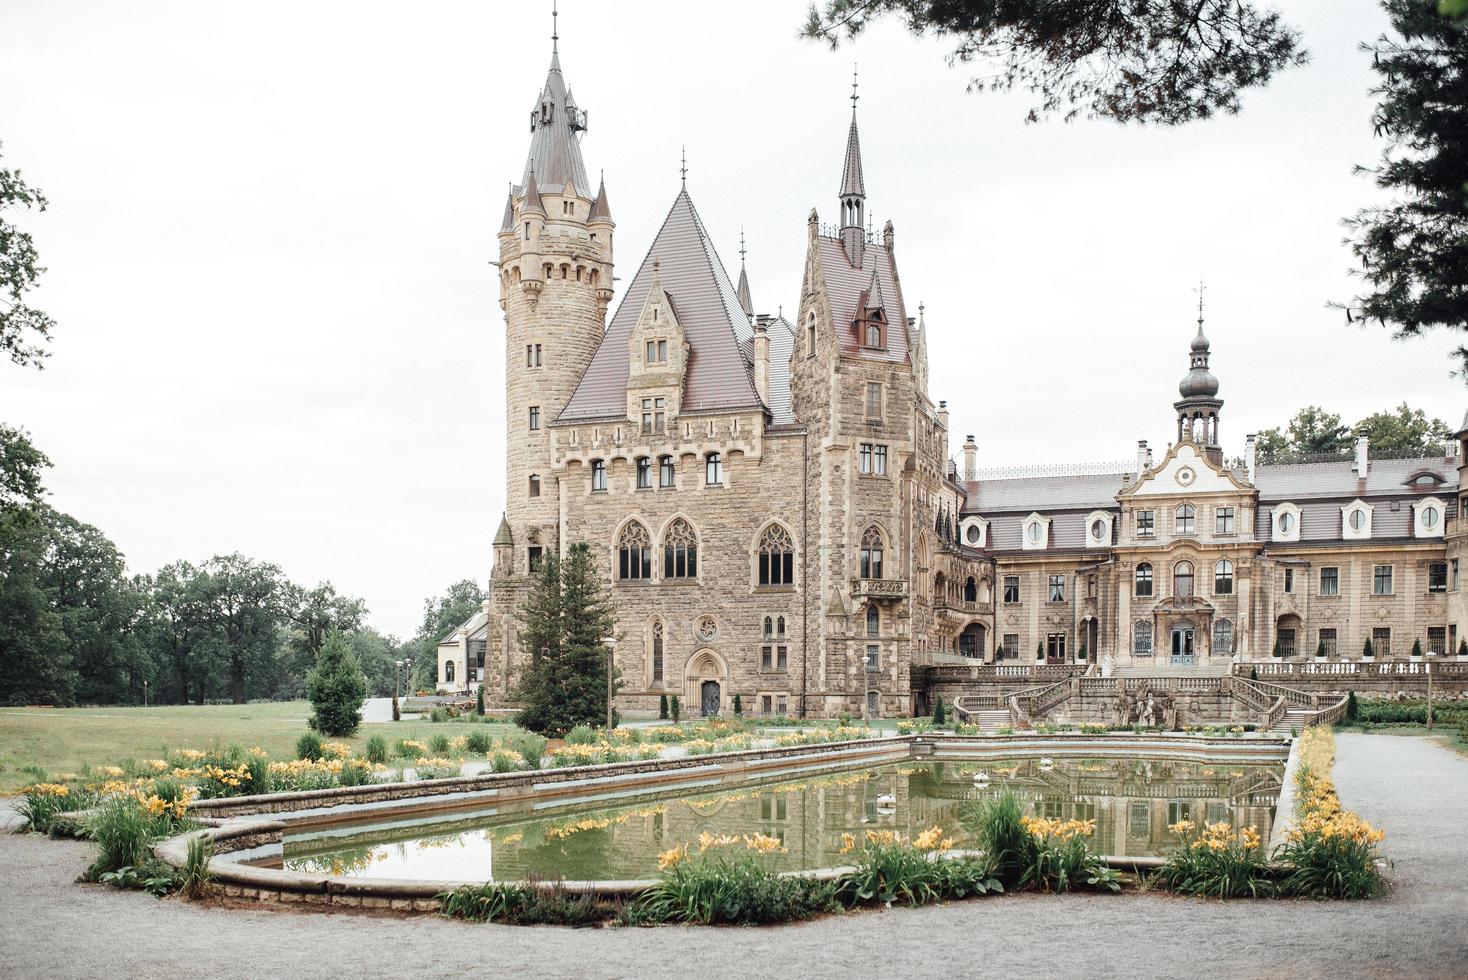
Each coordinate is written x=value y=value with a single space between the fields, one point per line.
x=656 y=351
x=874 y=335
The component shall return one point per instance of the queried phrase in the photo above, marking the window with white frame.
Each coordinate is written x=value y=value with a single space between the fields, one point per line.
x=713 y=470
x=1011 y=589
x=1144 y=580
x=644 y=473
x=598 y=474
x=1223 y=577
x=1184 y=519
x=1381 y=580
x=1146 y=523
x=1057 y=588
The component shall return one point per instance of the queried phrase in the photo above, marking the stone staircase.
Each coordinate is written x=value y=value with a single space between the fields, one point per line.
x=1294 y=718
x=990 y=720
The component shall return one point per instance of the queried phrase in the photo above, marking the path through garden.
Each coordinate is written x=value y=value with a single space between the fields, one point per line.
x=1412 y=787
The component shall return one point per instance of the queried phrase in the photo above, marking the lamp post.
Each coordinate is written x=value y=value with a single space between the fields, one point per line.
x=611 y=644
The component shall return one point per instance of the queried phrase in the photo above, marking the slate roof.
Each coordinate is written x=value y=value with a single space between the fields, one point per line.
x=475 y=624
x=600 y=209
x=1337 y=480
x=720 y=375
x=845 y=285
x=555 y=153
x=1044 y=493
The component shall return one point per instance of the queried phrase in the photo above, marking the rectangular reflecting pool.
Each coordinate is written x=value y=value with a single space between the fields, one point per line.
x=1131 y=799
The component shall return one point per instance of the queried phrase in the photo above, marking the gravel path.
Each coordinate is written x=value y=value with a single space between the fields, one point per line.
x=1414 y=788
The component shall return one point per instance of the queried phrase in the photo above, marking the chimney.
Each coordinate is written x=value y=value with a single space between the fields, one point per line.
x=1144 y=457
x=970 y=459
x=762 y=359
x=1249 y=455
x=943 y=414
x=1363 y=457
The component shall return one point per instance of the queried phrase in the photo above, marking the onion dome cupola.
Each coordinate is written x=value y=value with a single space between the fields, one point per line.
x=1199 y=407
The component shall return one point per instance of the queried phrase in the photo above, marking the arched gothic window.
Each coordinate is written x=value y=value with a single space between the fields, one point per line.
x=657 y=652
x=874 y=621
x=448 y=671
x=971 y=590
x=871 y=553
x=1184 y=521
x=769 y=627
x=1223 y=577
x=1144 y=579
x=776 y=557
x=1142 y=638
x=680 y=551
x=634 y=553
x=1182 y=579
x=1223 y=636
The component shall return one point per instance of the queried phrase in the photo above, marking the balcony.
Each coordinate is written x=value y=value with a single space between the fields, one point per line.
x=879 y=588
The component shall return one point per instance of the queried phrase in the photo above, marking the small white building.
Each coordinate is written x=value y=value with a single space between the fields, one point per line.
x=461 y=655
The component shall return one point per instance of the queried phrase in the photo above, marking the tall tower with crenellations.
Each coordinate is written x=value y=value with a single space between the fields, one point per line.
x=555 y=267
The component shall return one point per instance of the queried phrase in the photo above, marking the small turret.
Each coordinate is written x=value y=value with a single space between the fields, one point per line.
x=1197 y=410
x=853 y=191
x=504 y=549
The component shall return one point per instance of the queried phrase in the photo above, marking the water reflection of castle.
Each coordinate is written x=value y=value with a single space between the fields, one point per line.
x=1132 y=802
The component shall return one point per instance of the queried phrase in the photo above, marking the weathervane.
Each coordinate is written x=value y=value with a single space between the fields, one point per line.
x=683 y=167
x=555 y=33
x=1199 y=291
x=854 y=96
x=741 y=245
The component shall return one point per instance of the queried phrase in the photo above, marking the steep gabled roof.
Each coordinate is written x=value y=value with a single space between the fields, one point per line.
x=719 y=374
x=846 y=285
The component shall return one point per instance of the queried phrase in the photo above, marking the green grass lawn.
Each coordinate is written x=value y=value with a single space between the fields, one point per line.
x=66 y=739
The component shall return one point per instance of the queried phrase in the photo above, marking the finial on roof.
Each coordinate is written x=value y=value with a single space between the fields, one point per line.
x=741 y=245
x=854 y=95
x=683 y=165
x=746 y=302
x=555 y=32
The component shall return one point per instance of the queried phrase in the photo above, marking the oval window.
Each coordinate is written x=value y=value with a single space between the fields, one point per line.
x=1358 y=520
x=972 y=533
x=1098 y=529
x=1036 y=532
x=1429 y=517
x=1286 y=523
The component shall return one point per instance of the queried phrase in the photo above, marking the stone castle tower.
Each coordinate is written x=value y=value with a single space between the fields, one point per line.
x=555 y=266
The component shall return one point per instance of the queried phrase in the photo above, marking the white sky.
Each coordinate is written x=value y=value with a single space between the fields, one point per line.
x=270 y=224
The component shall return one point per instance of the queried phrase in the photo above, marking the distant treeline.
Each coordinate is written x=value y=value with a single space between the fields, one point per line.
x=77 y=628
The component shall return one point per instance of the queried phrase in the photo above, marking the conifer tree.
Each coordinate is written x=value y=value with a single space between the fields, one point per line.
x=565 y=622
x=336 y=688
x=1367 y=651
x=663 y=706
x=939 y=717
x=674 y=708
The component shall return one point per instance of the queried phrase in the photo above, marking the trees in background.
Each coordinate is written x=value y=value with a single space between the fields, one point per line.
x=21 y=326
x=75 y=627
x=1314 y=431
x=442 y=614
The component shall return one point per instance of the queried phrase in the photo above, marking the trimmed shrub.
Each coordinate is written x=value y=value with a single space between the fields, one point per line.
x=1353 y=707
x=675 y=709
x=939 y=717
x=663 y=707
x=308 y=746
x=336 y=688
x=479 y=701
x=738 y=706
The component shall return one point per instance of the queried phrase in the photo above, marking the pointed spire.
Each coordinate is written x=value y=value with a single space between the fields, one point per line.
x=874 y=294
x=852 y=184
x=503 y=535
x=555 y=38
x=853 y=191
x=555 y=122
x=532 y=193
x=508 y=224
x=742 y=291
x=600 y=209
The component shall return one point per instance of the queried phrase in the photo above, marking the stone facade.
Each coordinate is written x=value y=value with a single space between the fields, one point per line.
x=775 y=508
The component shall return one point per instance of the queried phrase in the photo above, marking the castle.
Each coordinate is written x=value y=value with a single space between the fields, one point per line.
x=774 y=506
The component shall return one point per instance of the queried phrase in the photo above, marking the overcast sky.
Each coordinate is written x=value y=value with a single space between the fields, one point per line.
x=270 y=226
